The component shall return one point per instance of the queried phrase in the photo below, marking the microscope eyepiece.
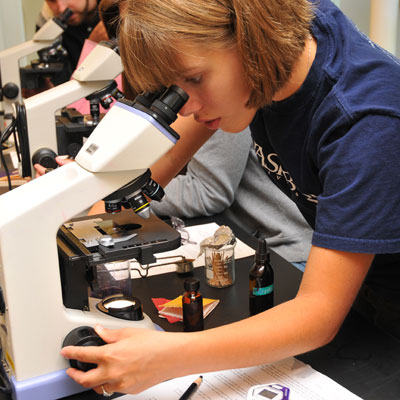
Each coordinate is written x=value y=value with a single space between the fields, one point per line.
x=64 y=16
x=169 y=103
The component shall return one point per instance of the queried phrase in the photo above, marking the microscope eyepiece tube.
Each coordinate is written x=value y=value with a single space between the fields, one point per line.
x=146 y=99
x=169 y=103
x=63 y=18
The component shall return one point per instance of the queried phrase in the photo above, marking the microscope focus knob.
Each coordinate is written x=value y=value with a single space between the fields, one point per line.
x=10 y=90
x=83 y=336
x=45 y=157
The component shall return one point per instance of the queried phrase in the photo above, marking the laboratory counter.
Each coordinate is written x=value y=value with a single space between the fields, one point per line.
x=361 y=358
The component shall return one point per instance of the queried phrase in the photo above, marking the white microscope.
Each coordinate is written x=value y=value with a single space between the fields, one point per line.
x=34 y=318
x=35 y=117
x=9 y=59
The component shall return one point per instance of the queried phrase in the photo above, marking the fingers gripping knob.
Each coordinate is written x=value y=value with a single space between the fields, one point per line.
x=45 y=157
x=83 y=336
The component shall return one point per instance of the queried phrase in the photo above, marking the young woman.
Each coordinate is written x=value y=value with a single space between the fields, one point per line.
x=322 y=102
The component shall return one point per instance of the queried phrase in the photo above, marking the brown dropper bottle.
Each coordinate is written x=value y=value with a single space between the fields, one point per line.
x=192 y=303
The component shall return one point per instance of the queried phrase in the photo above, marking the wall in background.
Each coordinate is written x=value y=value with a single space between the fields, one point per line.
x=358 y=11
x=30 y=9
x=12 y=31
x=17 y=22
x=385 y=20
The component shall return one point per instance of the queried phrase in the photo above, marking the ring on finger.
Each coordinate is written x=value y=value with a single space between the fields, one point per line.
x=105 y=393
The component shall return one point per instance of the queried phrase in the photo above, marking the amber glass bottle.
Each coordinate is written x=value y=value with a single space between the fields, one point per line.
x=192 y=303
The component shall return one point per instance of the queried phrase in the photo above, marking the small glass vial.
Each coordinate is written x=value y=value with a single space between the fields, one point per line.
x=192 y=304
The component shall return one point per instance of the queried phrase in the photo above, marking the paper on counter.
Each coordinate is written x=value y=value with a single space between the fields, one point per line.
x=191 y=251
x=173 y=308
x=303 y=381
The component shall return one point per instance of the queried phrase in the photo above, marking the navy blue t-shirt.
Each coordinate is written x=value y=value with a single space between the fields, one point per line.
x=334 y=146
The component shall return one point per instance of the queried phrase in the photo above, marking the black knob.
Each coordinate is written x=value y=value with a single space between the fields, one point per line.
x=10 y=90
x=45 y=157
x=73 y=149
x=83 y=336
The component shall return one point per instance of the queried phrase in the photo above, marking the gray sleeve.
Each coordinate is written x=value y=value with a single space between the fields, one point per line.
x=212 y=178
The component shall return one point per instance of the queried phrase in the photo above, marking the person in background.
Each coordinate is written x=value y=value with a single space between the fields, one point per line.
x=83 y=24
x=225 y=177
x=321 y=102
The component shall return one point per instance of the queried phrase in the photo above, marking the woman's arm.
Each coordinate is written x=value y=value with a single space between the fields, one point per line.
x=211 y=180
x=328 y=289
x=192 y=136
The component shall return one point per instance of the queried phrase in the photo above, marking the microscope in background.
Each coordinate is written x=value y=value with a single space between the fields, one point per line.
x=72 y=127
x=48 y=265
x=40 y=138
x=52 y=64
x=46 y=37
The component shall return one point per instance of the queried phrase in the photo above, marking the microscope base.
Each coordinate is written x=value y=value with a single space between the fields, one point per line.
x=54 y=385
x=58 y=384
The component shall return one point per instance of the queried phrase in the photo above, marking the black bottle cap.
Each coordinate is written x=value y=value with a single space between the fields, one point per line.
x=262 y=254
x=192 y=284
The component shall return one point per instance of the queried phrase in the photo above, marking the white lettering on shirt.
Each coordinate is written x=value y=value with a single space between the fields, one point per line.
x=273 y=166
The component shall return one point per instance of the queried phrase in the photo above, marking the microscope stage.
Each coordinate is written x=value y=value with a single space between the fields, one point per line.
x=111 y=237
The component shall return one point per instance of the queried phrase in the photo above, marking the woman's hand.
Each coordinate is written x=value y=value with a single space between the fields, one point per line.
x=40 y=170
x=131 y=361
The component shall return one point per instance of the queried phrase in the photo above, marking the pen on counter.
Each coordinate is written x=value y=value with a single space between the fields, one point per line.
x=191 y=389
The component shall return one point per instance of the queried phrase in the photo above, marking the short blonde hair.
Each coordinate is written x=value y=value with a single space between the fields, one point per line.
x=269 y=35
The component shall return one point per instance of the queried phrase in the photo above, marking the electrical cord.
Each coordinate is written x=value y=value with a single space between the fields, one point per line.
x=16 y=145
x=23 y=140
x=8 y=131
x=4 y=136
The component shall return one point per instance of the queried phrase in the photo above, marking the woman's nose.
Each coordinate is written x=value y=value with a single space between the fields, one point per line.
x=191 y=107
